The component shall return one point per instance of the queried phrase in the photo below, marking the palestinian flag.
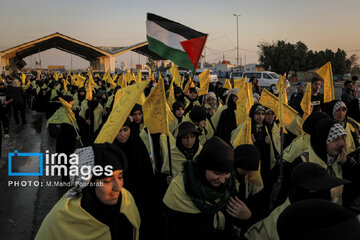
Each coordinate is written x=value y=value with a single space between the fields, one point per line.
x=174 y=41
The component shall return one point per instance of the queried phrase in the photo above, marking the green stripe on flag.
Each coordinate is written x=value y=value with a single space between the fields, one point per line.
x=180 y=58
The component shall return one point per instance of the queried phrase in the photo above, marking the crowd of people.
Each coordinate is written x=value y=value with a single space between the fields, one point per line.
x=200 y=184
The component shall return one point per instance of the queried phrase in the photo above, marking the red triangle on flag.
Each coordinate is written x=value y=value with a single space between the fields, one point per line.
x=194 y=47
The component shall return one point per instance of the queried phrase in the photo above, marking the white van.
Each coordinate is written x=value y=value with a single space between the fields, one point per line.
x=266 y=78
x=236 y=75
x=213 y=76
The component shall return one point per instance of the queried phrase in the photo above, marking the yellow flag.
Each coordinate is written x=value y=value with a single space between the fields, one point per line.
x=65 y=82
x=154 y=110
x=281 y=85
x=171 y=98
x=238 y=83
x=72 y=80
x=138 y=76
x=176 y=75
x=61 y=75
x=27 y=84
x=325 y=72
x=128 y=78
x=56 y=76
x=115 y=77
x=106 y=76
x=227 y=84
x=68 y=109
x=244 y=103
x=97 y=75
x=204 y=79
x=189 y=84
x=125 y=101
x=149 y=72
x=23 y=78
x=39 y=74
x=306 y=103
x=80 y=81
x=90 y=87
x=122 y=80
x=141 y=99
x=281 y=100
x=244 y=135
x=1 y=80
x=269 y=100
x=111 y=82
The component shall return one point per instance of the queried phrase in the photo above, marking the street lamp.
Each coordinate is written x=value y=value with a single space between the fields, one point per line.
x=237 y=34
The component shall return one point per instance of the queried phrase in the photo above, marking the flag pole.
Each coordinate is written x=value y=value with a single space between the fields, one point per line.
x=277 y=185
x=151 y=151
x=77 y=133
x=167 y=127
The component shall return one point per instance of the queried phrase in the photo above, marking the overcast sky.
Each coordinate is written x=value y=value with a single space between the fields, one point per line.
x=320 y=24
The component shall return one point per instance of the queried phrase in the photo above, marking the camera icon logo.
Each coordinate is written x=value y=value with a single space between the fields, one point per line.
x=17 y=154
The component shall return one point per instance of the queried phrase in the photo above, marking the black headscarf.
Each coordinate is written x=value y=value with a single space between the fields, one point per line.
x=139 y=177
x=107 y=154
x=185 y=128
x=218 y=156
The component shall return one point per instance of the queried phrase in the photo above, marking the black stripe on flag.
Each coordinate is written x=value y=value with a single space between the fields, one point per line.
x=174 y=27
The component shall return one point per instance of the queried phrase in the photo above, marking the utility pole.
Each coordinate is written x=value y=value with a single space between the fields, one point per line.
x=237 y=37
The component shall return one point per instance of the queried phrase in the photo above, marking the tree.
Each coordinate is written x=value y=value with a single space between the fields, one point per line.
x=284 y=57
x=354 y=66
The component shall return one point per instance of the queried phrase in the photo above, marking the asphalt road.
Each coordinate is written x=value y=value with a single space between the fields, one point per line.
x=24 y=207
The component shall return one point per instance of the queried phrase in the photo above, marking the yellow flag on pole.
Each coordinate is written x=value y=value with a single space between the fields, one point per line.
x=68 y=109
x=269 y=100
x=106 y=76
x=65 y=83
x=154 y=110
x=227 y=84
x=238 y=83
x=171 y=98
x=122 y=80
x=115 y=77
x=56 y=76
x=175 y=75
x=90 y=87
x=204 y=79
x=80 y=81
x=138 y=76
x=23 y=78
x=125 y=101
x=61 y=75
x=306 y=103
x=244 y=103
x=280 y=85
x=325 y=72
x=39 y=74
x=189 y=84
x=244 y=135
x=27 y=84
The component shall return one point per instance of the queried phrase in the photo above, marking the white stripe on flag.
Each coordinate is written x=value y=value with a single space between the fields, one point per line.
x=161 y=34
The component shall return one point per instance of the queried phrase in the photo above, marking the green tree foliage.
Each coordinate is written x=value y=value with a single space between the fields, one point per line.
x=283 y=57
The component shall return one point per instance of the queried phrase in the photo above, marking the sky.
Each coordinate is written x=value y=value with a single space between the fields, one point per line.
x=320 y=24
